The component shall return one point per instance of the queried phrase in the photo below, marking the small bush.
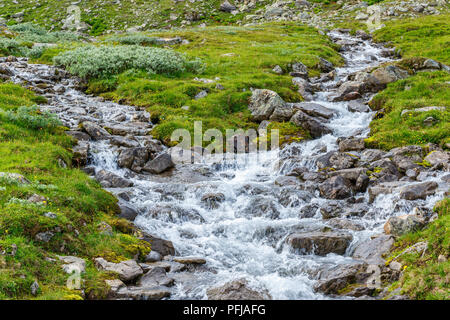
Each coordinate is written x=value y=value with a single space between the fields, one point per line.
x=33 y=118
x=96 y=62
x=29 y=32
x=11 y=47
x=133 y=39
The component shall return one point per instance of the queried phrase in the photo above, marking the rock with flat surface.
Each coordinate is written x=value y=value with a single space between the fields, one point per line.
x=237 y=290
x=320 y=243
x=127 y=270
x=161 y=163
x=371 y=250
x=418 y=191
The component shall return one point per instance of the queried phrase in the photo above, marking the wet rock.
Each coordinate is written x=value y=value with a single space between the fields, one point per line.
x=212 y=200
x=320 y=243
x=418 y=191
x=161 y=163
x=371 y=155
x=400 y=225
x=154 y=278
x=189 y=260
x=325 y=65
x=384 y=188
x=336 y=188
x=127 y=212
x=348 y=90
x=286 y=181
x=127 y=142
x=127 y=270
x=110 y=180
x=163 y=247
x=260 y=206
x=333 y=280
x=308 y=211
x=315 y=128
x=263 y=103
x=133 y=159
x=282 y=113
x=237 y=290
x=174 y=214
x=355 y=106
x=340 y=160
x=339 y=223
x=95 y=131
x=315 y=110
x=372 y=250
x=331 y=209
x=351 y=144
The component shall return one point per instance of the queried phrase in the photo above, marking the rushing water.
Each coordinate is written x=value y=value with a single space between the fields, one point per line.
x=244 y=236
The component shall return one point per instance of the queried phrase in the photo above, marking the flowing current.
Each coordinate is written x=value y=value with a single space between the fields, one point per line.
x=243 y=236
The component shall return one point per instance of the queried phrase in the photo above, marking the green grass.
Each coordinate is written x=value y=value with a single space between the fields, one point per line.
x=418 y=39
x=78 y=201
x=423 y=276
x=427 y=37
x=422 y=90
x=242 y=57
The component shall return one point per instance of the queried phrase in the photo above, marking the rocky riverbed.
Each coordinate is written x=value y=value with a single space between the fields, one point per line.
x=303 y=222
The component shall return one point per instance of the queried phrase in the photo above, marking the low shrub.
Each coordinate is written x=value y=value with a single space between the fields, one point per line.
x=32 y=118
x=96 y=62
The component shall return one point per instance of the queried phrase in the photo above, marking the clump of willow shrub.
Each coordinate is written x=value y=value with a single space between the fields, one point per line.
x=32 y=118
x=133 y=39
x=97 y=62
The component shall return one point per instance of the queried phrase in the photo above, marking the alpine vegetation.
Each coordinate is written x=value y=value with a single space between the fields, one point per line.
x=95 y=62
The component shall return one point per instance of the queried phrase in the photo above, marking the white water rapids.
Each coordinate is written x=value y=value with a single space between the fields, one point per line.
x=236 y=239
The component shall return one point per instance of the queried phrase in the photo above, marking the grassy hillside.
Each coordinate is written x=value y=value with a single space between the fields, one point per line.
x=33 y=145
x=418 y=39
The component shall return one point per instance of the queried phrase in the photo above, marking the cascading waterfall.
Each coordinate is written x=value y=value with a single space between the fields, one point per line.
x=242 y=237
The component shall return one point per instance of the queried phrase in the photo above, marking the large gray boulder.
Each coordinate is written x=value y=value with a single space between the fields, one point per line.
x=334 y=279
x=336 y=188
x=110 y=180
x=315 y=109
x=95 y=131
x=237 y=290
x=400 y=225
x=155 y=277
x=161 y=163
x=320 y=243
x=372 y=250
x=127 y=270
x=263 y=103
x=315 y=128
x=418 y=191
